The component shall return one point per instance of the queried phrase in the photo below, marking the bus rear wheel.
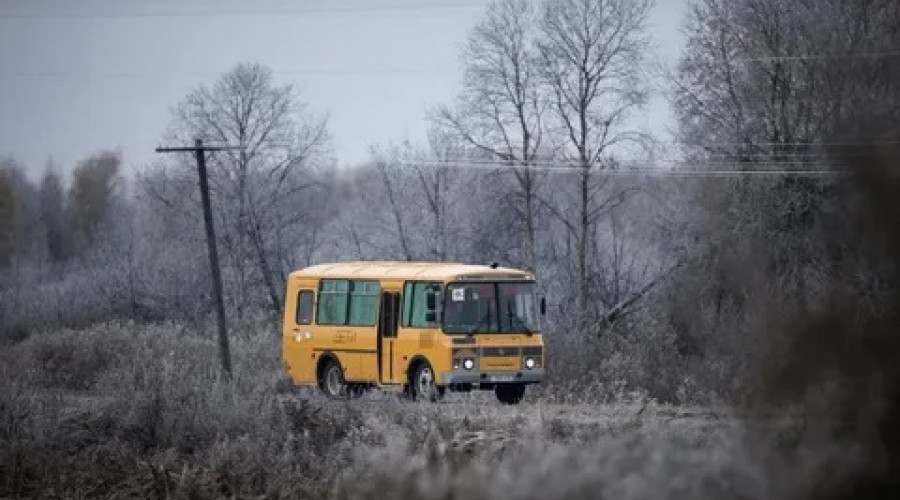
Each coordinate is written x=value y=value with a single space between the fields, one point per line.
x=509 y=394
x=331 y=380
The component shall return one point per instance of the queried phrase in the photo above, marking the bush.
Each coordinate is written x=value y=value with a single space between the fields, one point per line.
x=142 y=411
x=140 y=407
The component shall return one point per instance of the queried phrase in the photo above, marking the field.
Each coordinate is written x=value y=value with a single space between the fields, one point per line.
x=128 y=411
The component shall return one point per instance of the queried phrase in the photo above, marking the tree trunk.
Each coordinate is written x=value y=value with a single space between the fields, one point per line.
x=266 y=270
x=583 y=231
x=529 y=224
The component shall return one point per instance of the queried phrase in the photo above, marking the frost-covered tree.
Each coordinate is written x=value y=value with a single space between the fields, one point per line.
x=92 y=196
x=265 y=195
x=7 y=218
x=52 y=207
x=592 y=55
x=500 y=111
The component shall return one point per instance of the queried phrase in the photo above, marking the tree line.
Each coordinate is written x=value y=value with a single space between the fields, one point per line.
x=655 y=282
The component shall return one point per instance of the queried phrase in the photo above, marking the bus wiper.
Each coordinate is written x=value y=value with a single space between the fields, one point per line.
x=525 y=328
x=510 y=315
x=477 y=326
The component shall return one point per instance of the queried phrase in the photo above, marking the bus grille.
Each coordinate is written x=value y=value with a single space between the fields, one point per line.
x=499 y=352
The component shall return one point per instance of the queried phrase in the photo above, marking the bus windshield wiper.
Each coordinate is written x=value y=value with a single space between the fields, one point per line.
x=510 y=316
x=477 y=326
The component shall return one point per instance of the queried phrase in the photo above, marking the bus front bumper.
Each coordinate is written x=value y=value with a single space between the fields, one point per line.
x=532 y=376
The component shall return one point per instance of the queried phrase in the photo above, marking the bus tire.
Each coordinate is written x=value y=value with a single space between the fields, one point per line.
x=331 y=379
x=422 y=386
x=509 y=394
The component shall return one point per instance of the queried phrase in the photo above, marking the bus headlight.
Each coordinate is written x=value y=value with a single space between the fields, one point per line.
x=468 y=363
x=529 y=363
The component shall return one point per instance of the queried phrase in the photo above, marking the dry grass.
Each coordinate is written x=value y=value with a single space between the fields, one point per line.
x=127 y=411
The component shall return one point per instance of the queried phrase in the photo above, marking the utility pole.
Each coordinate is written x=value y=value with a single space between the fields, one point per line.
x=199 y=151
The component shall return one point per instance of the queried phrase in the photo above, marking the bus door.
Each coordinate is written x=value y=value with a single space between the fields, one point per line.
x=388 y=319
x=296 y=345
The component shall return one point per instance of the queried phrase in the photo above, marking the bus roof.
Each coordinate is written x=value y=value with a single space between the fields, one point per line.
x=437 y=271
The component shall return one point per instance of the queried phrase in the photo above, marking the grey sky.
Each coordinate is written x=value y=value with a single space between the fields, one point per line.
x=80 y=76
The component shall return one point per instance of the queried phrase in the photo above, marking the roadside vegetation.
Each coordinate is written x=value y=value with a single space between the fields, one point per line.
x=139 y=411
x=725 y=327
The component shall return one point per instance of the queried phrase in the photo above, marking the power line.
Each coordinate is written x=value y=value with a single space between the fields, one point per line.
x=760 y=170
x=574 y=165
x=773 y=156
x=330 y=8
x=788 y=144
x=808 y=57
x=140 y=75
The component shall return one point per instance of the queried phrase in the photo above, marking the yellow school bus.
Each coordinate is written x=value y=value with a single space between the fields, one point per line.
x=425 y=327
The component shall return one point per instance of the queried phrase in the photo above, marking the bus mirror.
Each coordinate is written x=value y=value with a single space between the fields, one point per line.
x=431 y=317
x=543 y=306
x=431 y=301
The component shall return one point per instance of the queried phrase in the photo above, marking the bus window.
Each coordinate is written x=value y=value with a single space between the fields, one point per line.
x=304 y=307
x=333 y=300
x=518 y=307
x=363 y=303
x=470 y=308
x=414 y=305
x=344 y=302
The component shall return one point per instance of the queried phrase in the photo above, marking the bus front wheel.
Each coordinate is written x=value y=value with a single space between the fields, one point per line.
x=422 y=386
x=331 y=380
x=509 y=394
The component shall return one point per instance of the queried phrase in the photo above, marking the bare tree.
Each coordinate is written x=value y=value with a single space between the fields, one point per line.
x=591 y=54
x=763 y=85
x=500 y=109
x=762 y=81
x=442 y=189
x=396 y=187
x=52 y=213
x=411 y=202
x=259 y=191
x=95 y=187
x=8 y=218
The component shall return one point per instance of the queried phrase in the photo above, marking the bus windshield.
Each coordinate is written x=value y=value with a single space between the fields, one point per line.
x=507 y=307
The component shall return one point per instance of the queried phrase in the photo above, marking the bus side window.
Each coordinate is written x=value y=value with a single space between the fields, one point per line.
x=414 y=304
x=407 y=303
x=363 y=303
x=304 y=307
